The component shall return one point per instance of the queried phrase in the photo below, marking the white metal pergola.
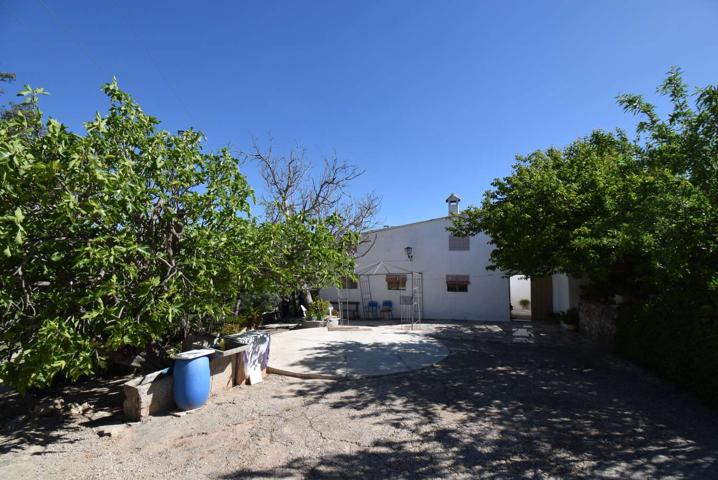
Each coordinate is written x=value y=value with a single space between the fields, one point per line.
x=411 y=306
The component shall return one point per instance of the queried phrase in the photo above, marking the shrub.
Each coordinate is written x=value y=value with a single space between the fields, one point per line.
x=230 y=328
x=319 y=309
x=677 y=340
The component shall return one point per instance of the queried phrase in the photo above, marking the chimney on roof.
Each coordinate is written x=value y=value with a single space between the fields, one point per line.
x=453 y=201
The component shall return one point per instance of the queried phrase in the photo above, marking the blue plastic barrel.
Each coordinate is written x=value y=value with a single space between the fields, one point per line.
x=191 y=382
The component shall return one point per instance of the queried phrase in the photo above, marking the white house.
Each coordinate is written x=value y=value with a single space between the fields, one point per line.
x=423 y=259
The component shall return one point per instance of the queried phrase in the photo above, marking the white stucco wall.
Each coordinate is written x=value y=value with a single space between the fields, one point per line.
x=488 y=293
x=520 y=289
x=566 y=291
x=560 y=288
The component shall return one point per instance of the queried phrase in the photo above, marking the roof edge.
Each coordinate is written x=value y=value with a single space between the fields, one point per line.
x=392 y=227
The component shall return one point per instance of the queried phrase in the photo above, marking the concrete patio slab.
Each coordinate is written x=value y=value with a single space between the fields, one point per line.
x=322 y=353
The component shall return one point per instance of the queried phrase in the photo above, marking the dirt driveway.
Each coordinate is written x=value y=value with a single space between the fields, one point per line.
x=519 y=401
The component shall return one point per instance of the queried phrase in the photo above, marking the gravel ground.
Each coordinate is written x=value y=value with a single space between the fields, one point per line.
x=523 y=401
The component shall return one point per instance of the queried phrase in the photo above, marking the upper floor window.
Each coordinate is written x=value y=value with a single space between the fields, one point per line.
x=396 y=281
x=457 y=283
x=458 y=243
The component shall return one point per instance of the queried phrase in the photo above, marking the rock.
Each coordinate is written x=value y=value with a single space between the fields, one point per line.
x=112 y=430
x=77 y=410
x=94 y=415
x=48 y=406
x=182 y=413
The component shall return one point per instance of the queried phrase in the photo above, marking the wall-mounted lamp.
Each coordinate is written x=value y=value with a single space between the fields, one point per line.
x=409 y=253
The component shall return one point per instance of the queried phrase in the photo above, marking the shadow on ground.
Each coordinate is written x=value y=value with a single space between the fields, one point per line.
x=502 y=406
x=43 y=419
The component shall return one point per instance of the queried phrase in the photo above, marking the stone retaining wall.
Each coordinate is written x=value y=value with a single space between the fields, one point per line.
x=598 y=321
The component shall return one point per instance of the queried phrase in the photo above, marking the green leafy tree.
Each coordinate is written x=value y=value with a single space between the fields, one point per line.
x=294 y=253
x=629 y=214
x=114 y=238
x=311 y=254
x=636 y=217
x=126 y=235
x=557 y=212
x=7 y=110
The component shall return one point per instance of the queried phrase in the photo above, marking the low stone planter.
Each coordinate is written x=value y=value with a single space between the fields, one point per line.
x=152 y=394
x=311 y=323
x=148 y=395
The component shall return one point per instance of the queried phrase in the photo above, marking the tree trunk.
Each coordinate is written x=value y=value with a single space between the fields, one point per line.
x=308 y=300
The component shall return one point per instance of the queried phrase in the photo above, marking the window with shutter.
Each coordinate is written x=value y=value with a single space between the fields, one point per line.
x=457 y=283
x=458 y=243
x=396 y=281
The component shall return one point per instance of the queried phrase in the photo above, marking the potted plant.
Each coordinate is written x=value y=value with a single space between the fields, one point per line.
x=332 y=321
x=525 y=303
x=316 y=313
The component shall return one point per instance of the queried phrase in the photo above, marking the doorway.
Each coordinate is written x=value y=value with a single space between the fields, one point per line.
x=520 y=293
x=531 y=298
x=541 y=298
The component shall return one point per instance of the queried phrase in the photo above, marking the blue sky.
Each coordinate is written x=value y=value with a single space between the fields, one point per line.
x=428 y=97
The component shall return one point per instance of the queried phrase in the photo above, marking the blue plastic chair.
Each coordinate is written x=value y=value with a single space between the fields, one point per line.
x=372 y=308
x=386 y=309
